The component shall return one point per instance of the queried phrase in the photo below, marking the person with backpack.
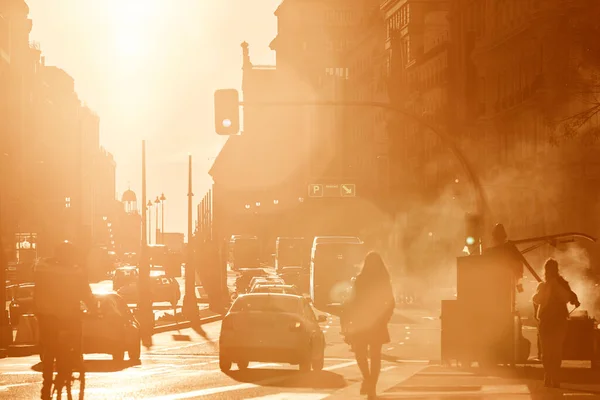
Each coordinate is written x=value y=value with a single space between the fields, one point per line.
x=551 y=298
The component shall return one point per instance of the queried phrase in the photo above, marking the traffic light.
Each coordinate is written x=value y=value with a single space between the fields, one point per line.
x=227 y=112
x=473 y=233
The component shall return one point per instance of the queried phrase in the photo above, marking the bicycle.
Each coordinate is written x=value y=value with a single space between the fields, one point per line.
x=71 y=369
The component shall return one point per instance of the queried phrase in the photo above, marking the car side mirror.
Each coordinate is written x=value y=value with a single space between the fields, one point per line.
x=321 y=318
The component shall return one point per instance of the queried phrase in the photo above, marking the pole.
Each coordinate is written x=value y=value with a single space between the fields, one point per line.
x=149 y=223
x=157 y=227
x=209 y=215
x=162 y=220
x=5 y=331
x=145 y=303
x=190 y=303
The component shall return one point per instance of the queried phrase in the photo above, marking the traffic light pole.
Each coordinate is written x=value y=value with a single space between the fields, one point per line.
x=481 y=200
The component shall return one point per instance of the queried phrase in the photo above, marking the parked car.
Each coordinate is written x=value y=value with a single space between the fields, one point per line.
x=162 y=289
x=271 y=328
x=113 y=330
x=21 y=301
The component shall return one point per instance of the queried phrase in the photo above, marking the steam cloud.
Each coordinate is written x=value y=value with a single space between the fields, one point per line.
x=575 y=266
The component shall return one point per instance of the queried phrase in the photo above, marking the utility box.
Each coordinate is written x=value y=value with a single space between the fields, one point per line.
x=481 y=324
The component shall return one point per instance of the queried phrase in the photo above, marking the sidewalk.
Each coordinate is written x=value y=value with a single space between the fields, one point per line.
x=522 y=382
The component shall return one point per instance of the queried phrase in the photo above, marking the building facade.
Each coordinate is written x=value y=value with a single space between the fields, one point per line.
x=523 y=64
x=51 y=158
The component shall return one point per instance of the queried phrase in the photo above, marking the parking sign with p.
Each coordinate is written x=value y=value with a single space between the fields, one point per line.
x=315 y=190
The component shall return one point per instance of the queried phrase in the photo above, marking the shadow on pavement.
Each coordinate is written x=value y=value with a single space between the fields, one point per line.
x=99 y=365
x=399 y=318
x=571 y=379
x=290 y=379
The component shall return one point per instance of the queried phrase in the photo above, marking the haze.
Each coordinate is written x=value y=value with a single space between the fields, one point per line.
x=149 y=69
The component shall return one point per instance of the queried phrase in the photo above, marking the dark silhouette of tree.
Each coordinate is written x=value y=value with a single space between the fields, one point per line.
x=573 y=73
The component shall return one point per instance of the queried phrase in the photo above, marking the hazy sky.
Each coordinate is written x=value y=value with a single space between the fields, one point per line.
x=149 y=69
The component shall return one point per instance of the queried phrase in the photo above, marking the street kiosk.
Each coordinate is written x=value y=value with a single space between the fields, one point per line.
x=483 y=325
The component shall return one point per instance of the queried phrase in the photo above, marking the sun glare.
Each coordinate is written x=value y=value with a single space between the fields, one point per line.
x=133 y=23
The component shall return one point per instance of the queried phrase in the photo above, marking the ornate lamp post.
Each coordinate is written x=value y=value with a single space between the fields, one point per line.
x=149 y=205
x=156 y=203
x=162 y=216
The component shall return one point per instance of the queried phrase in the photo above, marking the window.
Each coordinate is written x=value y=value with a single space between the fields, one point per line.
x=407 y=55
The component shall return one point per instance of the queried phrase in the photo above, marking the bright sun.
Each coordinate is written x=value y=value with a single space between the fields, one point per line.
x=132 y=24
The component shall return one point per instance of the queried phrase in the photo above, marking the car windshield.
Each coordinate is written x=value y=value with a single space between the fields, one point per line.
x=287 y=304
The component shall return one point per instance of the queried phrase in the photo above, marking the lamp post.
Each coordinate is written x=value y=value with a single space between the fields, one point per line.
x=190 y=303
x=145 y=302
x=156 y=202
x=162 y=216
x=149 y=205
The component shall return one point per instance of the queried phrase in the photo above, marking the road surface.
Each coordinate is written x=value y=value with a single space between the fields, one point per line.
x=185 y=366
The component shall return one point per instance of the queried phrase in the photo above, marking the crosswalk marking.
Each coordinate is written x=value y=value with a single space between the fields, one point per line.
x=293 y=396
x=458 y=391
x=4 y=388
x=241 y=386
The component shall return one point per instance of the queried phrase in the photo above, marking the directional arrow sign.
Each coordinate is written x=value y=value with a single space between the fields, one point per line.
x=348 y=190
x=315 y=190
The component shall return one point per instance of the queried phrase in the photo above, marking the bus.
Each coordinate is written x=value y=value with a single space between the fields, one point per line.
x=291 y=252
x=243 y=252
x=332 y=267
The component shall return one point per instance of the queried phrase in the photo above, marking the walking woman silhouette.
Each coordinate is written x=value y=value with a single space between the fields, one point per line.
x=368 y=311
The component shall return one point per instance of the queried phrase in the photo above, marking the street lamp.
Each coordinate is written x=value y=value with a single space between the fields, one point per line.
x=247 y=206
x=156 y=203
x=149 y=205
x=258 y=204
x=162 y=216
x=275 y=201
x=190 y=302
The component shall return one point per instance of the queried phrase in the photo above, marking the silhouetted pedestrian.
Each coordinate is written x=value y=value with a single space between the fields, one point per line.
x=368 y=312
x=60 y=287
x=552 y=297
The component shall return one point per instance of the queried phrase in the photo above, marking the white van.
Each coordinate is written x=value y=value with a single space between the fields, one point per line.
x=334 y=261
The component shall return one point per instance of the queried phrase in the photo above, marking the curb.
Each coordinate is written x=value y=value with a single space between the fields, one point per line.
x=185 y=324
x=22 y=350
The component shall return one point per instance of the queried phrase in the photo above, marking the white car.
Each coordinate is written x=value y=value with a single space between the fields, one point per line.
x=271 y=327
x=265 y=280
